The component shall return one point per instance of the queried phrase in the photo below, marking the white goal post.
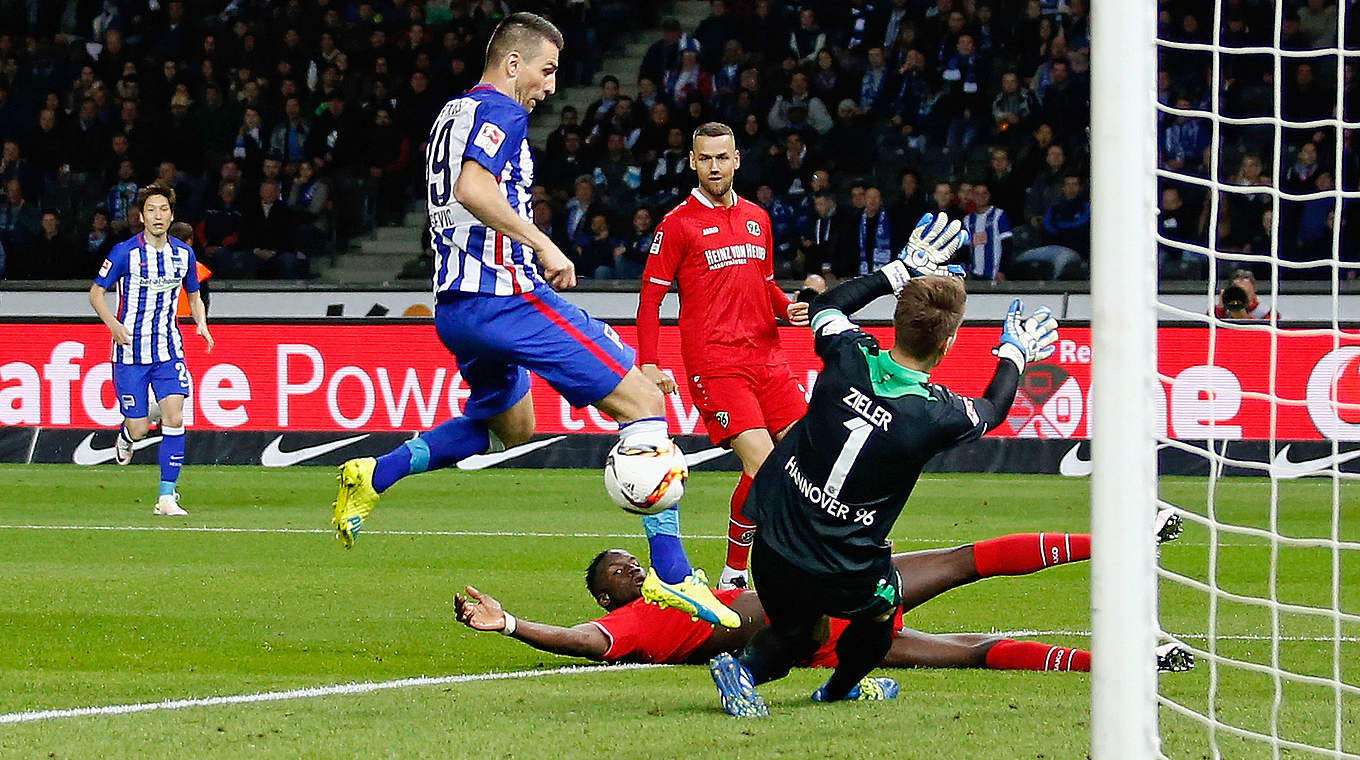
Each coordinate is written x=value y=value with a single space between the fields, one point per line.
x=1124 y=350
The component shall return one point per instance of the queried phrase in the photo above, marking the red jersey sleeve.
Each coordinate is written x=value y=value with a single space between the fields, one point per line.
x=641 y=632
x=658 y=274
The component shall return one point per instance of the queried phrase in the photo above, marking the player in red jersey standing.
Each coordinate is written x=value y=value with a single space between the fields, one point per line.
x=716 y=248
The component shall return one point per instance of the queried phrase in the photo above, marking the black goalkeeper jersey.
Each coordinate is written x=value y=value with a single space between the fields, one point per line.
x=829 y=493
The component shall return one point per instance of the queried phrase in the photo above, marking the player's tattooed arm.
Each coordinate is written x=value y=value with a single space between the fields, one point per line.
x=482 y=612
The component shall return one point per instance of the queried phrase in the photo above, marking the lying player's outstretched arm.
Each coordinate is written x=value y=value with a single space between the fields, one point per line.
x=479 y=192
x=481 y=612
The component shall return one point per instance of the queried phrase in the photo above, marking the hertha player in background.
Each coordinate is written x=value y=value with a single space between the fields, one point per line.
x=716 y=248
x=829 y=494
x=148 y=271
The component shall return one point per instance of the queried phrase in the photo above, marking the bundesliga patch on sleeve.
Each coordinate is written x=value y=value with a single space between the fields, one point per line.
x=105 y=267
x=656 y=242
x=490 y=138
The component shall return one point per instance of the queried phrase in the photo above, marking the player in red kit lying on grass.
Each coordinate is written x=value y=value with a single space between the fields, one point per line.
x=635 y=631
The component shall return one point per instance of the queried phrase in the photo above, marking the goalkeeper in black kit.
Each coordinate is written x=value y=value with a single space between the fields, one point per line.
x=826 y=499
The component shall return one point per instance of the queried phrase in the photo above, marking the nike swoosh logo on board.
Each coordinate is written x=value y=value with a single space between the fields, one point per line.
x=483 y=461
x=273 y=456
x=87 y=455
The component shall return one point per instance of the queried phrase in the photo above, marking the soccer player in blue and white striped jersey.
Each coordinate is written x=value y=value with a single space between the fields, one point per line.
x=503 y=319
x=148 y=271
x=989 y=230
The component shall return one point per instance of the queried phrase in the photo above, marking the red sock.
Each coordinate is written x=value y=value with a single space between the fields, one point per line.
x=1009 y=654
x=739 y=528
x=1023 y=553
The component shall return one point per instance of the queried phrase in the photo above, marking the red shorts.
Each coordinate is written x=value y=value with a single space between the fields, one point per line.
x=736 y=399
x=825 y=656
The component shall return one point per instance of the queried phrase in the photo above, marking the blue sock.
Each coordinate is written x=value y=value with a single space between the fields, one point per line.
x=171 y=456
x=663 y=541
x=455 y=440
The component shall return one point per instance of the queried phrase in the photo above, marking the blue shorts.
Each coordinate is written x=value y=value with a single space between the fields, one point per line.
x=500 y=339
x=168 y=378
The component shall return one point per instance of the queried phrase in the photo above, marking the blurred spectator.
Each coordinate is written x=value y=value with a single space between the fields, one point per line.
x=1047 y=187
x=1013 y=108
x=99 y=240
x=288 y=139
x=807 y=39
x=714 y=32
x=250 y=138
x=1005 y=184
x=825 y=240
x=989 y=233
x=1184 y=141
x=388 y=155
x=267 y=233
x=873 y=83
x=569 y=120
x=789 y=168
x=20 y=224
x=664 y=54
x=1068 y=221
x=668 y=176
x=309 y=204
x=570 y=163
x=52 y=255
x=609 y=95
x=797 y=109
x=639 y=243
x=688 y=80
x=654 y=136
x=827 y=80
x=1306 y=98
x=1177 y=222
x=850 y=143
x=219 y=234
x=602 y=254
x=1318 y=23
x=617 y=174
x=1065 y=101
x=13 y=165
x=121 y=195
x=871 y=245
x=548 y=222
x=943 y=200
x=579 y=208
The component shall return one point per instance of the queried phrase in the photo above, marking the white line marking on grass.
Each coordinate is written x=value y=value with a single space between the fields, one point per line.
x=471 y=533
x=1194 y=636
x=346 y=689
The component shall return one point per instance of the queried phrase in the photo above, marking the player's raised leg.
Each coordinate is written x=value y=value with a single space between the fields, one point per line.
x=639 y=407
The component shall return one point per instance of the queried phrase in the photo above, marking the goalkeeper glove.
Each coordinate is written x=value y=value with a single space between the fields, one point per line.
x=1027 y=339
x=932 y=243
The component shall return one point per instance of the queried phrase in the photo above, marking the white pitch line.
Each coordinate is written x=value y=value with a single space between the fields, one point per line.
x=469 y=533
x=311 y=531
x=347 y=689
x=1194 y=636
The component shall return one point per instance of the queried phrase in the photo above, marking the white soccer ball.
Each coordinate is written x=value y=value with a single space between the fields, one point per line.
x=645 y=477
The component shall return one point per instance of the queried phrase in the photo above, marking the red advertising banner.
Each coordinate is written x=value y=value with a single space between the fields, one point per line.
x=343 y=377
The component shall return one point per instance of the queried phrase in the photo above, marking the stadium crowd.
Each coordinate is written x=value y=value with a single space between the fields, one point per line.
x=288 y=128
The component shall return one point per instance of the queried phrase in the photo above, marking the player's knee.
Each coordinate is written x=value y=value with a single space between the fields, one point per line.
x=514 y=435
x=172 y=419
x=136 y=428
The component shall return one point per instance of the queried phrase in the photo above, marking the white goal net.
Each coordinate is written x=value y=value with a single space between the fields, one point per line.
x=1248 y=424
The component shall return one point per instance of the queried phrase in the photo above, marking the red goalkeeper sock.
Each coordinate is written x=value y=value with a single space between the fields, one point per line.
x=739 y=529
x=1024 y=553
x=1009 y=654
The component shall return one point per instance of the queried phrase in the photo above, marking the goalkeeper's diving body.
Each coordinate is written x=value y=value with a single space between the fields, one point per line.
x=826 y=499
x=500 y=315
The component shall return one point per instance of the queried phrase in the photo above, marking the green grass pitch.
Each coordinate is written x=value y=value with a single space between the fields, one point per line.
x=120 y=607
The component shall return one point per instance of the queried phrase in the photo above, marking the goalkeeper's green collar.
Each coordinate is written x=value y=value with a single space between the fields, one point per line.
x=892 y=380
